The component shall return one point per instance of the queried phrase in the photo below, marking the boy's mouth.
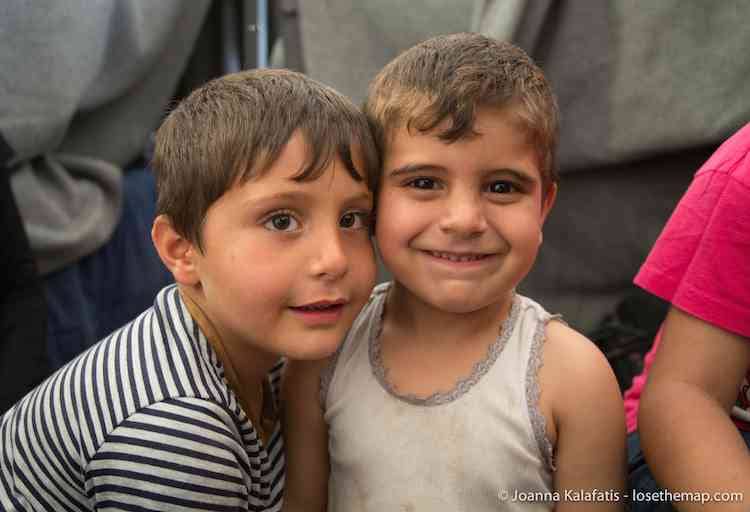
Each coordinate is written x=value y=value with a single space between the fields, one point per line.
x=323 y=313
x=458 y=257
x=321 y=306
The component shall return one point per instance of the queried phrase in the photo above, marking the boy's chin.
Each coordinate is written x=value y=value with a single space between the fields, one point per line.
x=462 y=300
x=457 y=307
x=315 y=352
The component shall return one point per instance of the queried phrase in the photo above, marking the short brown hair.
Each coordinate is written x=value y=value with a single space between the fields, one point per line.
x=234 y=128
x=451 y=77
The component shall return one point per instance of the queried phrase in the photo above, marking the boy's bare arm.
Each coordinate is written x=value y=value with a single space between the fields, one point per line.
x=687 y=435
x=586 y=404
x=305 y=438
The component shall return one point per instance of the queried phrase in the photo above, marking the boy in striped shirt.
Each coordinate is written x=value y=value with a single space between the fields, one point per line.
x=264 y=199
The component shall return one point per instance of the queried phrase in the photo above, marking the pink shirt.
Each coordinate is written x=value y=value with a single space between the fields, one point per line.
x=701 y=261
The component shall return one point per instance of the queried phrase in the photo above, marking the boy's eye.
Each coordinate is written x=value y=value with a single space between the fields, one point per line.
x=281 y=222
x=423 y=183
x=501 y=187
x=354 y=220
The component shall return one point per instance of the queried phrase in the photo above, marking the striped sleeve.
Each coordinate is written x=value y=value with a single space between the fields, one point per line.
x=181 y=454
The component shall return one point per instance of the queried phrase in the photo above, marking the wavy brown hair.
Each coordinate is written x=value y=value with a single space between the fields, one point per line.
x=235 y=127
x=451 y=77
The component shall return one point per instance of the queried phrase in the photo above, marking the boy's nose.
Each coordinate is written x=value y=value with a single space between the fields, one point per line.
x=464 y=216
x=329 y=259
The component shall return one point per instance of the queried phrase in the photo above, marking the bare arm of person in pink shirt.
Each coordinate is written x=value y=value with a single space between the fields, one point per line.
x=701 y=265
x=687 y=435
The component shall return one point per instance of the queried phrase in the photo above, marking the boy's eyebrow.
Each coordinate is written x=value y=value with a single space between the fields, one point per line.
x=297 y=196
x=415 y=168
x=279 y=196
x=363 y=197
x=519 y=175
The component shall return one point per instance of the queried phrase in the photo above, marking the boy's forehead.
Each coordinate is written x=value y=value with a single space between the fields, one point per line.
x=293 y=171
x=295 y=159
x=278 y=188
x=501 y=124
x=484 y=118
x=423 y=112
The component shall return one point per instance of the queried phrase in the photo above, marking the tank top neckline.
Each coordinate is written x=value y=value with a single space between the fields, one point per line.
x=463 y=385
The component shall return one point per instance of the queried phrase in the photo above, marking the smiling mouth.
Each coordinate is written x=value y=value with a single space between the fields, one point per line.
x=458 y=257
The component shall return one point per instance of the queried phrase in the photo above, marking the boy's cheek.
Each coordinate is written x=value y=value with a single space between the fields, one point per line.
x=368 y=267
x=364 y=270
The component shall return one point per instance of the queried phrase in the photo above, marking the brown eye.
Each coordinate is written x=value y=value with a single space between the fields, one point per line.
x=281 y=222
x=347 y=220
x=501 y=187
x=354 y=220
x=422 y=183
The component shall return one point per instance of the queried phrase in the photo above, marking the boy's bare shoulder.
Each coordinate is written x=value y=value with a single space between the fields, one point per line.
x=567 y=348
x=583 y=399
x=575 y=365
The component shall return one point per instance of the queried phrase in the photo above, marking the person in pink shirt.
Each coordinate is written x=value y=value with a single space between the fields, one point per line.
x=692 y=414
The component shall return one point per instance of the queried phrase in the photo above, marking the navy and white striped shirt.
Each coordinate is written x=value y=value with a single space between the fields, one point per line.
x=143 y=420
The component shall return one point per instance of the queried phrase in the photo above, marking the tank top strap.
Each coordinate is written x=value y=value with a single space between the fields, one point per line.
x=531 y=337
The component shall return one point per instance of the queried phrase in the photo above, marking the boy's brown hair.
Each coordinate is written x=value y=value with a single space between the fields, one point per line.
x=233 y=129
x=451 y=77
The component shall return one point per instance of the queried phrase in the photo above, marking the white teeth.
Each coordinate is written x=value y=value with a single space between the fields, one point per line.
x=456 y=257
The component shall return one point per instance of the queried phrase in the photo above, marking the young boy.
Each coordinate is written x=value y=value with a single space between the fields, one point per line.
x=263 y=182
x=452 y=391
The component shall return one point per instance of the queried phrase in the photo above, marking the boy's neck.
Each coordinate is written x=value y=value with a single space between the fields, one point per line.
x=246 y=372
x=422 y=322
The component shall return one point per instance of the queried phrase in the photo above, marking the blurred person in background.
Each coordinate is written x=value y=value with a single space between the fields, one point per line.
x=84 y=84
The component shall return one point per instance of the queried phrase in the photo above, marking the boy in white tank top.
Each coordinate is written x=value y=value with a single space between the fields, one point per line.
x=452 y=392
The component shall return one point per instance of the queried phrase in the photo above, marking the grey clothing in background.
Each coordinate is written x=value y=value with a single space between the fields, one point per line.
x=636 y=79
x=646 y=92
x=83 y=85
x=345 y=42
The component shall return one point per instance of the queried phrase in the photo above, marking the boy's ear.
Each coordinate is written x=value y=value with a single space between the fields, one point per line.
x=177 y=253
x=549 y=200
